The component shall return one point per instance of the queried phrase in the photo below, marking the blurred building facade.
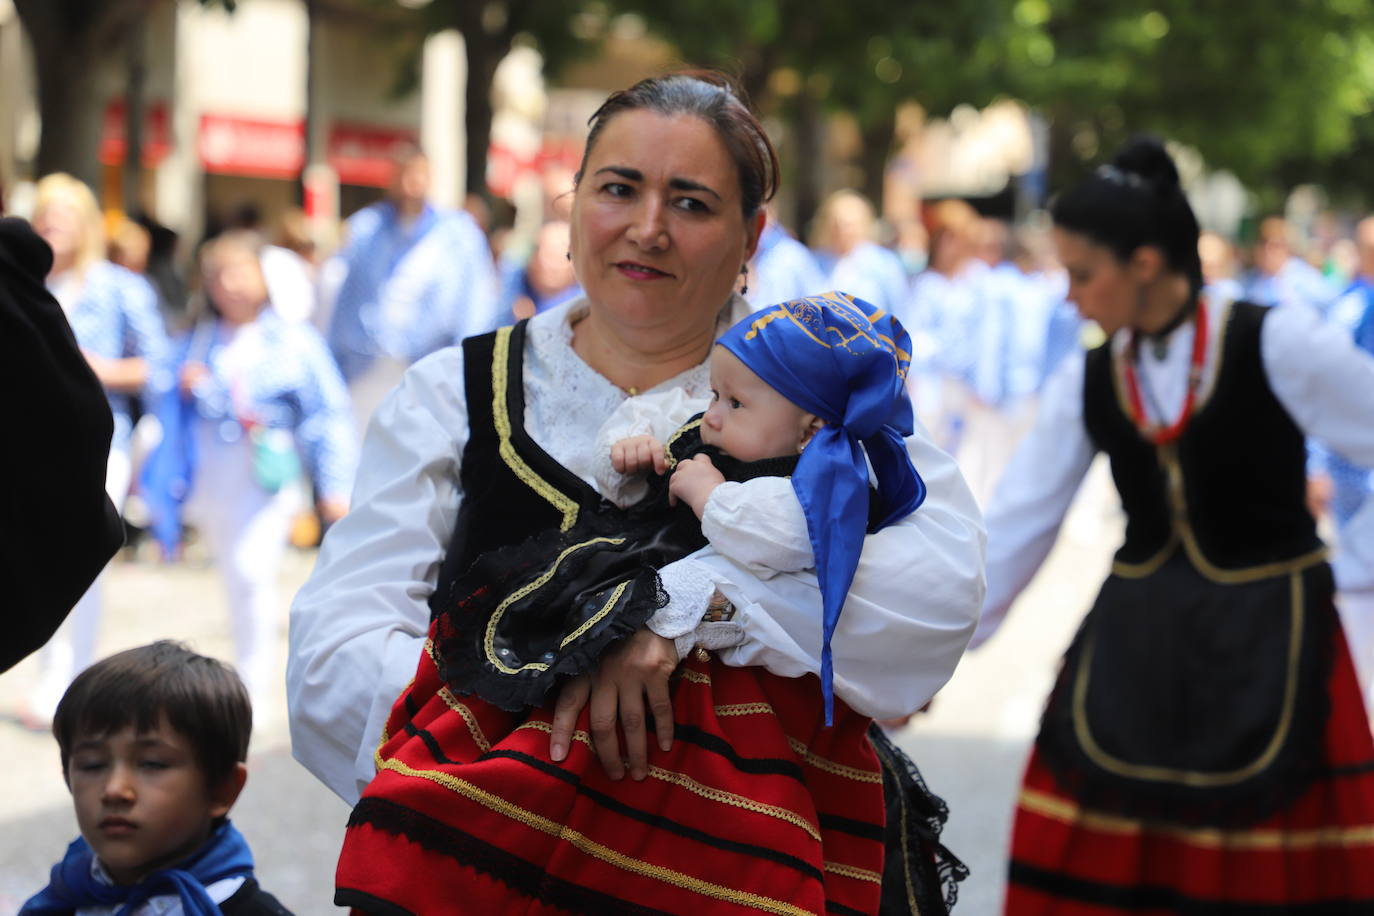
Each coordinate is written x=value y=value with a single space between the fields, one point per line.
x=233 y=113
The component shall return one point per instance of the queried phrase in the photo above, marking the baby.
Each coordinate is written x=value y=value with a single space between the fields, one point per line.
x=153 y=743
x=811 y=390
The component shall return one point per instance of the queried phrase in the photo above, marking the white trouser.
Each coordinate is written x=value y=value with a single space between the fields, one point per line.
x=246 y=529
x=368 y=390
x=72 y=647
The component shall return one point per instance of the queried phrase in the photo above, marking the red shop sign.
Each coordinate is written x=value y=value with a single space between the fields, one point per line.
x=251 y=146
x=362 y=155
x=157 y=141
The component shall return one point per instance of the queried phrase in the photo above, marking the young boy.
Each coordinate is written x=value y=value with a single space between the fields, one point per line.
x=153 y=743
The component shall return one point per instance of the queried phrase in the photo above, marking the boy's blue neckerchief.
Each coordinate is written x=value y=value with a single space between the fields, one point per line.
x=73 y=886
x=845 y=361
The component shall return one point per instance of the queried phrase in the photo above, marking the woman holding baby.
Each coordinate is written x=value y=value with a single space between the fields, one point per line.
x=740 y=796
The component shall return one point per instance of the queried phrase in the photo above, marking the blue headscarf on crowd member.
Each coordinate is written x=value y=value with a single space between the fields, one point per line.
x=845 y=361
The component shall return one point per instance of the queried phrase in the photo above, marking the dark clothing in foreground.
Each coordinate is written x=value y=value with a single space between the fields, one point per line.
x=57 y=525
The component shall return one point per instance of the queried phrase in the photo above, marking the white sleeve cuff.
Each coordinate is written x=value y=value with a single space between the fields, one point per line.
x=690 y=585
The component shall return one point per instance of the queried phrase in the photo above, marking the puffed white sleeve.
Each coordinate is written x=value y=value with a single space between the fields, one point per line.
x=910 y=611
x=359 y=622
x=1322 y=379
x=658 y=414
x=1034 y=494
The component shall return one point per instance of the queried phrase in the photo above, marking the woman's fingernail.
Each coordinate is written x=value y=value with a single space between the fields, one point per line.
x=556 y=751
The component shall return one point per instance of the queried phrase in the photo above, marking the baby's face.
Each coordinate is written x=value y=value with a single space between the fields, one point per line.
x=142 y=799
x=747 y=419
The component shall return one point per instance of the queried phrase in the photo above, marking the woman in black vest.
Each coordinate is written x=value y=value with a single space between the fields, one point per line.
x=1205 y=746
x=730 y=794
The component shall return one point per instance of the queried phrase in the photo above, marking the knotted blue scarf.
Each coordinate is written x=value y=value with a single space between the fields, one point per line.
x=72 y=886
x=845 y=361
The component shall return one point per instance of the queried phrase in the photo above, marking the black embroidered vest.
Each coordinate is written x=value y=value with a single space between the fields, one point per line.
x=512 y=488
x=1233 y=487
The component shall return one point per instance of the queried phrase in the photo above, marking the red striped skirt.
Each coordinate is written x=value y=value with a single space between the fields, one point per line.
x=757 y=808
x=1314 y=857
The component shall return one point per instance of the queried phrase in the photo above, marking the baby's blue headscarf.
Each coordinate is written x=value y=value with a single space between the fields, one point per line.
x=845 y=361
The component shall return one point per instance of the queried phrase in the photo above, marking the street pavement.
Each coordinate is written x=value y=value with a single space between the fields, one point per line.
x=971 y=745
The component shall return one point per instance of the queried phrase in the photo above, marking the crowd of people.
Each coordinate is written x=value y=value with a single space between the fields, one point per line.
x=476 y=423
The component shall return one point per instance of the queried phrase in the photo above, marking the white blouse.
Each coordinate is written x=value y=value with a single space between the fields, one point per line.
x=1324 y=382
x=358 y=624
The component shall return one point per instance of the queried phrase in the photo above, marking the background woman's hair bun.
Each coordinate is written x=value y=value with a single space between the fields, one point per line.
x=1144 y=155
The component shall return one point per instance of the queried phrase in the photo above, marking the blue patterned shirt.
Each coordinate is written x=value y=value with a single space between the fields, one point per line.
x=1351 y=484
x=116 y=316
x=871 y=272
x=290 y=383
x=783 y=269
x=1296 y=283
x=410 y=289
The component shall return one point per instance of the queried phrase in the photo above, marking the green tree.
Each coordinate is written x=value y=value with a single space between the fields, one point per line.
x=800 y=60
x=1255 y=87
x=1251 y=87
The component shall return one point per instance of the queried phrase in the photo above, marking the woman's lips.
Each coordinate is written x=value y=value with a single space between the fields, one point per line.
x=636 y=271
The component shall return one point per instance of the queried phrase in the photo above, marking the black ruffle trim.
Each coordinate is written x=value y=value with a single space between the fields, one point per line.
x=564 y=597
x=537 y=635
x=917 y=868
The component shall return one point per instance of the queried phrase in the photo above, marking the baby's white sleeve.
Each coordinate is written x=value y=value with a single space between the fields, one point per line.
x=658 y=414
x=759 y=524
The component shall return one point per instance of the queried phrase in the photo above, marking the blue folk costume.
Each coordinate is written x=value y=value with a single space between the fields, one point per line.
x=783 y=268
x=411 y=288
x=116 y=317
x=513 y=614
x=292 y=388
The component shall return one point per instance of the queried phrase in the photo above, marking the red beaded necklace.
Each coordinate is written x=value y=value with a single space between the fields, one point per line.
x=1163 y=435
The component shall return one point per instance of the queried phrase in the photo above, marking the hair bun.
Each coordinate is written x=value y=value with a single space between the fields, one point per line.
x=1144 y=155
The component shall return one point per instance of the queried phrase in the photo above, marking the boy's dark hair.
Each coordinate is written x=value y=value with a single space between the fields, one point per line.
x=202 y=698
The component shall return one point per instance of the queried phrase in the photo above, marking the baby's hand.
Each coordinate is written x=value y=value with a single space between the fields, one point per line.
x=693 y=482
x=639 y=455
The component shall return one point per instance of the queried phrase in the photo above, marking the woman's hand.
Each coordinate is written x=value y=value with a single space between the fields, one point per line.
x=630 y=670
x=693 y=482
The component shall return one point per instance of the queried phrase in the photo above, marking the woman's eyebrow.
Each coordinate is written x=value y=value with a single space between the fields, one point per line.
x=686 y=184
x=677 y=184
x=623 y=171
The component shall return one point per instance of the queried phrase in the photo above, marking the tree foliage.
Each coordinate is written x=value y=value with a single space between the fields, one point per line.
x=1251 y=86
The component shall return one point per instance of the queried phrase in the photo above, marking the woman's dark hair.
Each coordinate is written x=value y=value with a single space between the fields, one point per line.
x=203 y=699
x=1135 y=201
x=712 y=97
